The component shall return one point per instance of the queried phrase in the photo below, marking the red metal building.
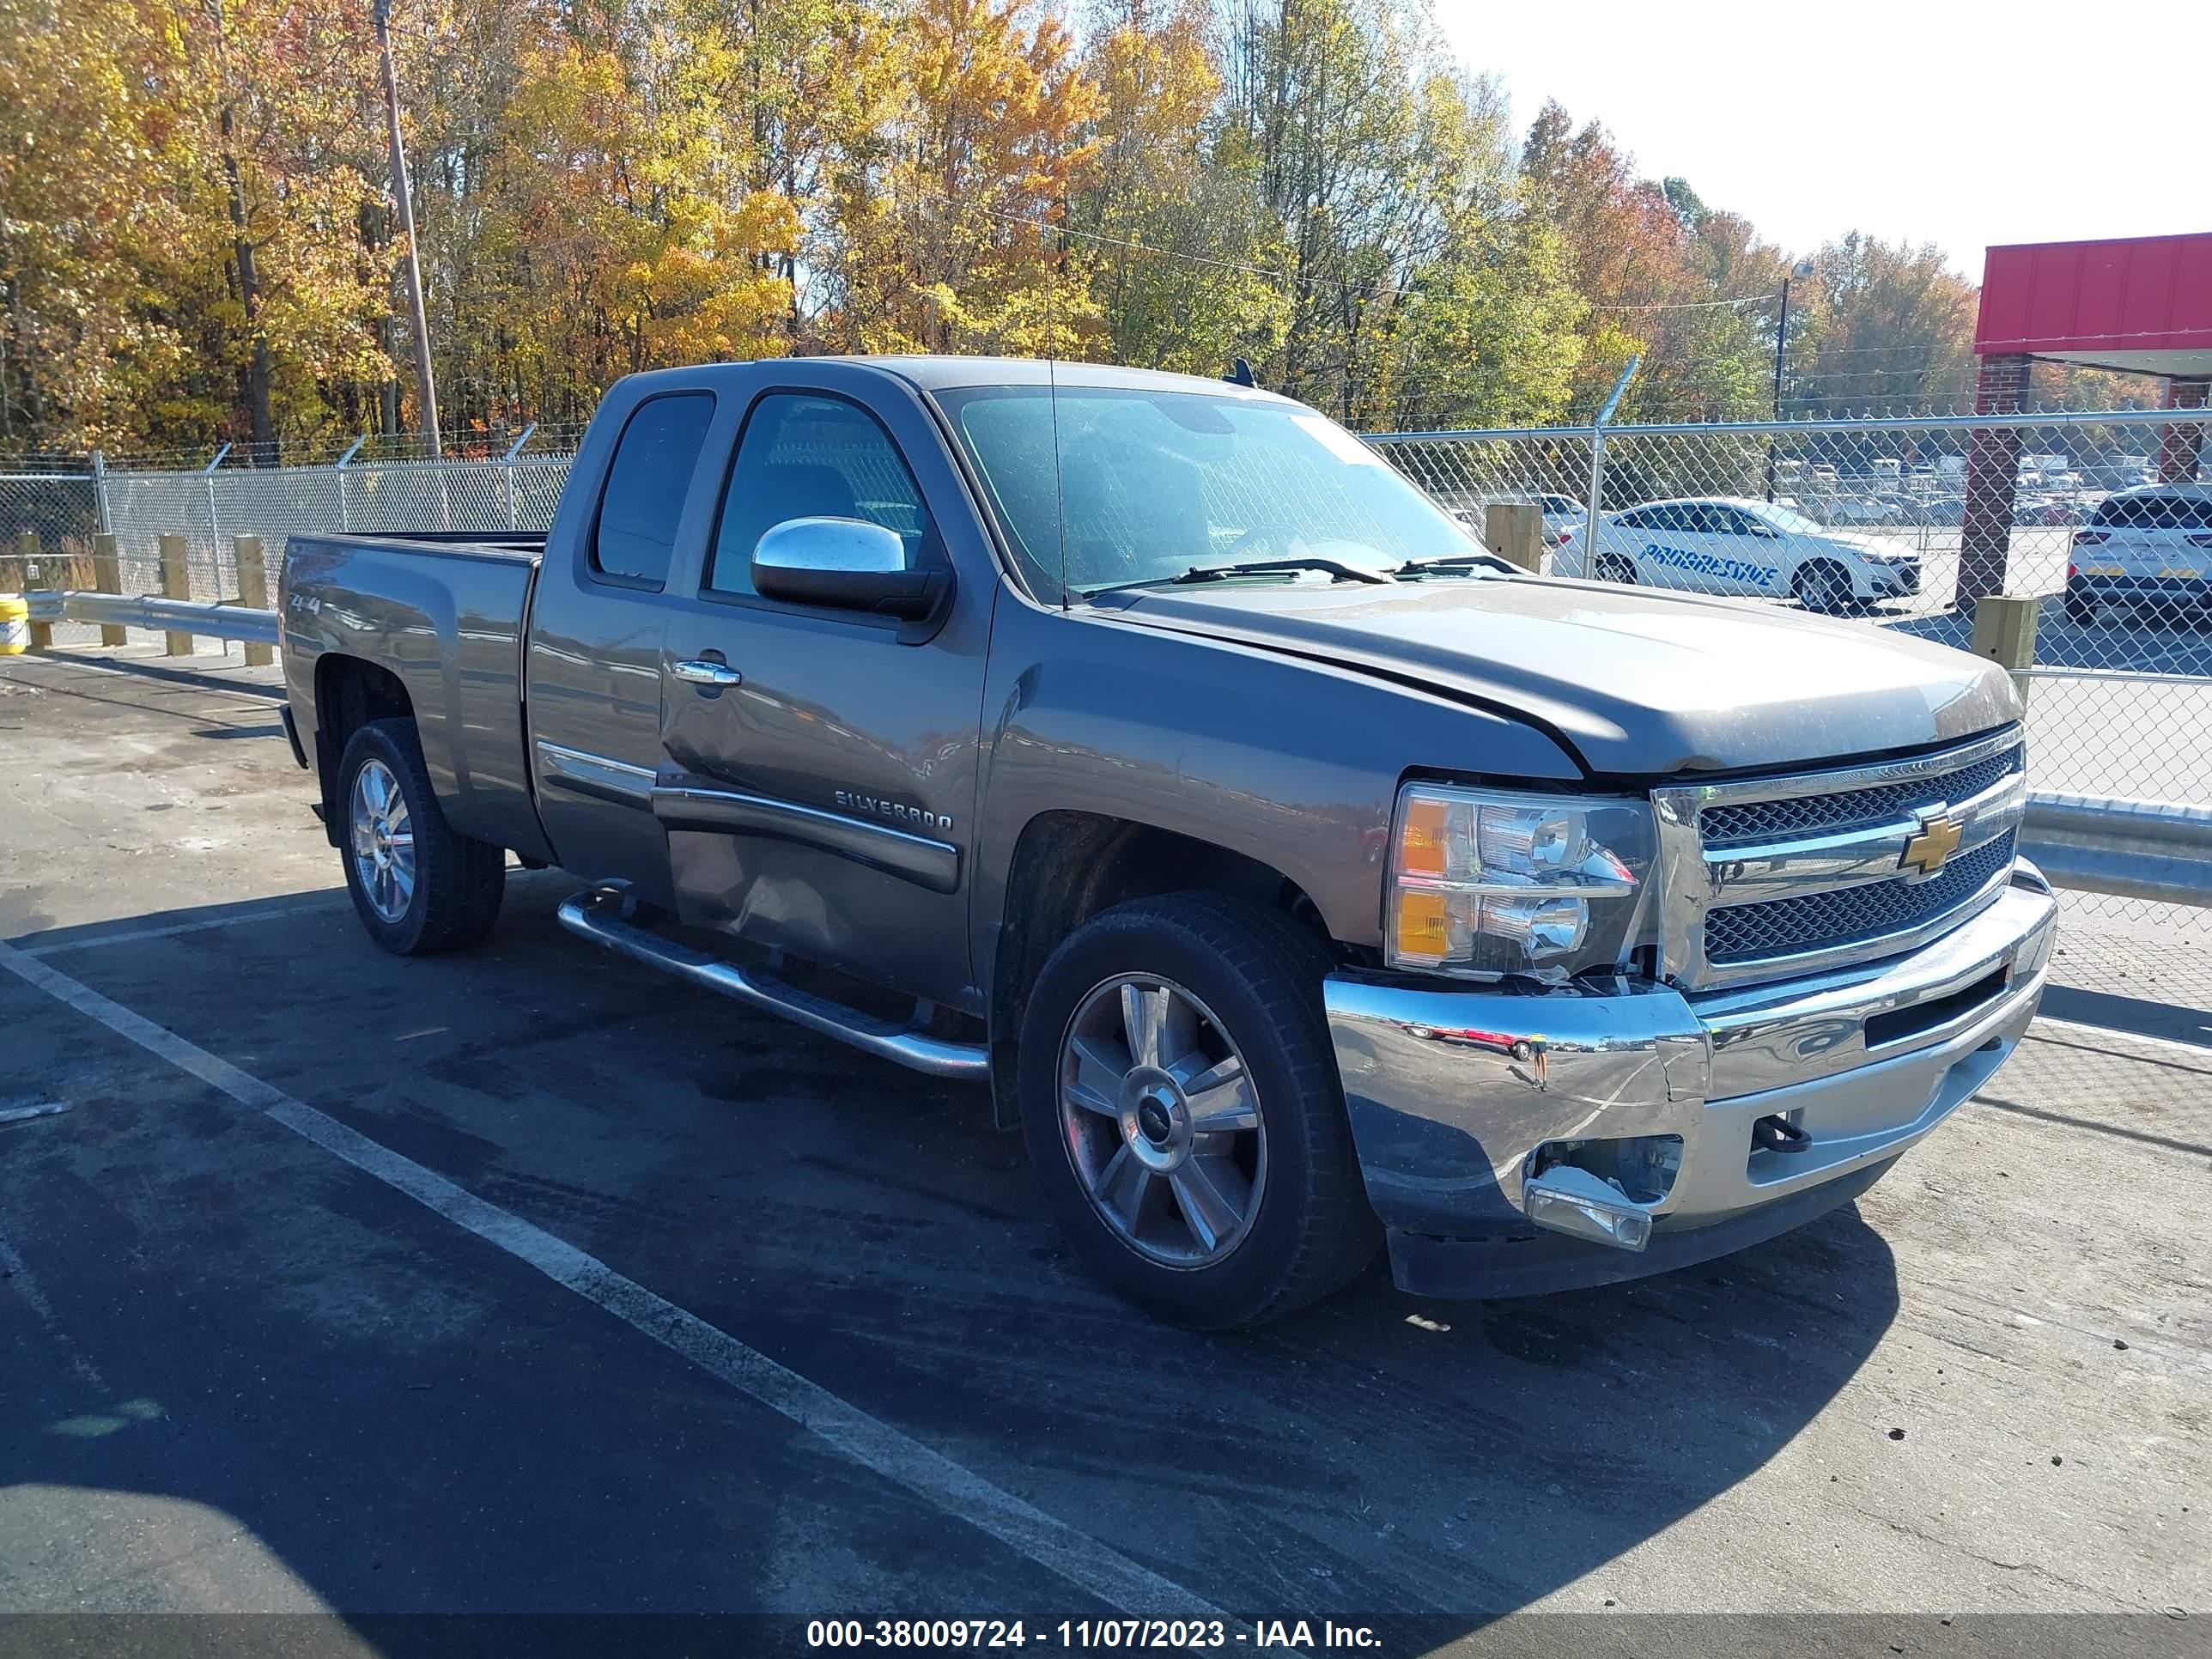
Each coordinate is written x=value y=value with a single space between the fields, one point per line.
x=2141 y=304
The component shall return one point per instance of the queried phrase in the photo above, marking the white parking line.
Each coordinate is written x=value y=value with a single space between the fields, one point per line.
x=30 y=946
x=1082 y=1560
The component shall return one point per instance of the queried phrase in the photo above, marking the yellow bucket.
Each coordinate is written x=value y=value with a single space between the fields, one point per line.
x=15 y=626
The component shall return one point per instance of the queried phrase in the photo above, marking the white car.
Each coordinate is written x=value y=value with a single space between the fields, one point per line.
x=1729 y=544
x=2146 y=550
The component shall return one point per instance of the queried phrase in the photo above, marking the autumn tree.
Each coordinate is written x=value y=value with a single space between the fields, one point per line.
x=947 y=217
x=1185 y=265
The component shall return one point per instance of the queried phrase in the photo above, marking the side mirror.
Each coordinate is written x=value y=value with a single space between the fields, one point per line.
x=846 y=564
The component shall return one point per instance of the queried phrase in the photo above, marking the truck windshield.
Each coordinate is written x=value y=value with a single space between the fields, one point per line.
x=1152 y=484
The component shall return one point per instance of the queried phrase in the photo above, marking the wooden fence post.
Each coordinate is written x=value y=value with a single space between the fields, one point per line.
x=2004 y=632
x=107 y=578
x=1515 y=532
x=26 y=555
x=253 y=591
x=176 y=584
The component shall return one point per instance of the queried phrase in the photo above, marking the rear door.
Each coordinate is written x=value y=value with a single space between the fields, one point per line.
x=1675 y=551
x=821 y=799
x=635 y=512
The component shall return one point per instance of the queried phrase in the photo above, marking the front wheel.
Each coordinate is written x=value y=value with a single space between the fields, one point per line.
x=1823 y=588
x=1180 y=1099
x=417 y=887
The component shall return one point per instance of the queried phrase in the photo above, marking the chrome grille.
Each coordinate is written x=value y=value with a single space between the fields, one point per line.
x=1845 y=915
x=1767 y=878
x=1766 y=820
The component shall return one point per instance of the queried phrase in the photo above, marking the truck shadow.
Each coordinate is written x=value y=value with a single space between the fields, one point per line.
x=408 y=1420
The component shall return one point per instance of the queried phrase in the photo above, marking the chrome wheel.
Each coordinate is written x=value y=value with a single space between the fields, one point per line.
x=383 y=840
x=1161 y=1120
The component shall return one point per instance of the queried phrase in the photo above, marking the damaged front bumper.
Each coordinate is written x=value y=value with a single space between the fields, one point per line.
x=1519 y=1143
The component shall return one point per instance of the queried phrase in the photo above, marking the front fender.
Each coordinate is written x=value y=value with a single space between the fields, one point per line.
x=1291 y=762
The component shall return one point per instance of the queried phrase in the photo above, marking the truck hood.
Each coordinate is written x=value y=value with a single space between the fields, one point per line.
x=1636 y=683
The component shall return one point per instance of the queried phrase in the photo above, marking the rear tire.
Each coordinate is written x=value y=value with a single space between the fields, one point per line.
x=418 y=887
x=1612 y=567
x=1208 y=1229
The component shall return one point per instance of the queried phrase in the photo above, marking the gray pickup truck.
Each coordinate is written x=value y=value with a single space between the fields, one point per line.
x=1297 y=875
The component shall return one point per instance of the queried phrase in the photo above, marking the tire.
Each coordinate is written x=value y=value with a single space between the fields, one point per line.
x=1612 y=567
x=451 y=897
x=1823 y=586
x=1247 y=982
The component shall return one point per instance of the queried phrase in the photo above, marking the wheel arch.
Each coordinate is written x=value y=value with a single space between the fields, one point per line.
x=1070 y=865
x=349 y=692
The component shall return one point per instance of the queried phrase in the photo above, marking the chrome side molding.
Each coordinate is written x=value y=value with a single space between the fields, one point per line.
x=599 y=916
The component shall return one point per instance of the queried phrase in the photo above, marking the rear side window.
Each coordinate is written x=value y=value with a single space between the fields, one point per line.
x=811 y=458
x=2155 y=513
x=646 y=484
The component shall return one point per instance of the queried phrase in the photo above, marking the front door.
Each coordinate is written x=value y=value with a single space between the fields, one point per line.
x=817 y=771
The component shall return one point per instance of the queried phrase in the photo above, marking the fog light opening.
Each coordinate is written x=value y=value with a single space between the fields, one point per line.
x=1639 y=1168
x=1601 y=1190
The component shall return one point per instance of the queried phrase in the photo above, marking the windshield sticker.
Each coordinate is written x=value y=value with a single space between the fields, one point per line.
x=1339 y=442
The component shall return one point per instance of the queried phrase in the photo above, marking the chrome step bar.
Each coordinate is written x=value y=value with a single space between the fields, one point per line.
x=599 y=916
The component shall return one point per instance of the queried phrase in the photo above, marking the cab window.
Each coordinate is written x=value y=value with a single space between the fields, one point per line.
x=635 y=535
x=808 y=457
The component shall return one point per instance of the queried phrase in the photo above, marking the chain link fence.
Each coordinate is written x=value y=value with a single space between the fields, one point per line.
x=2106 y=515
x=209 y=505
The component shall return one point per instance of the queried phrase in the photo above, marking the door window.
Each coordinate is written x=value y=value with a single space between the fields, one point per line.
x=646 y=484
x=806 y=456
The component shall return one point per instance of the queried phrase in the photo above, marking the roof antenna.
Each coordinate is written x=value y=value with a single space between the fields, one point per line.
x=1240 y=374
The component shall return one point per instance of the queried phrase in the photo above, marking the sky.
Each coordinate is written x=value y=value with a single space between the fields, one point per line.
x=1965 y=123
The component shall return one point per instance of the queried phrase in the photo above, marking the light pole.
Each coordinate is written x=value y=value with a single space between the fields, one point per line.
x=1801 y=270
x=426 y=385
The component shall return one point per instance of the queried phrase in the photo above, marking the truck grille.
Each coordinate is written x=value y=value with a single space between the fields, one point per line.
x=1845 y=915
x=1773 y=877
x=1802 y=815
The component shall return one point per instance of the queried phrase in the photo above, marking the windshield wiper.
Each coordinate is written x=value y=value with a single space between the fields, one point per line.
x=1465 y=562
x=1336 y=568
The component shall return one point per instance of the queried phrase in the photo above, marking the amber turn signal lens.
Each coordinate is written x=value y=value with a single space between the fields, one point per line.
x=1421 y=838
x=1424 y=927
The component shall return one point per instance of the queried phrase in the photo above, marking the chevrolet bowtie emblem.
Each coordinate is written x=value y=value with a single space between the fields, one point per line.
x=1928 y=850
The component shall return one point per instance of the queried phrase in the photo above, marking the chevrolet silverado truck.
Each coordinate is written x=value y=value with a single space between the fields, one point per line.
x=1300 y=878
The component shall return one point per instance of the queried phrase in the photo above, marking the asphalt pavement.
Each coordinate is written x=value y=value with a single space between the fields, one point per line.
x=525 y=1282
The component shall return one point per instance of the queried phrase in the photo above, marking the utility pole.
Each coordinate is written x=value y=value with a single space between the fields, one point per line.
x=426 y=384
x=1802 y=269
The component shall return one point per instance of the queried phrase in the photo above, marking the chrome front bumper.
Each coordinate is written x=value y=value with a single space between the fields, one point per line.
x=1453 y=1094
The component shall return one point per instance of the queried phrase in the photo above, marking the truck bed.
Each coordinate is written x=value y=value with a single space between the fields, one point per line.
x=449 y=615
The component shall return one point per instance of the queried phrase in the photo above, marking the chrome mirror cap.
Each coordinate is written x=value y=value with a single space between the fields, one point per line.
x=852 y=545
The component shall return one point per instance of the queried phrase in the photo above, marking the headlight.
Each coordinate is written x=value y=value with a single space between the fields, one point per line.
x=1485 y=884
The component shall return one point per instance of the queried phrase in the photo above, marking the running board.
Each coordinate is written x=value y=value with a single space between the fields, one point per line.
x=597 y=917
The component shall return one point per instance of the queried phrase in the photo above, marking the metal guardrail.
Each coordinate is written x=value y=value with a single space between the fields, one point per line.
x=2141 y=849
x=211 y=618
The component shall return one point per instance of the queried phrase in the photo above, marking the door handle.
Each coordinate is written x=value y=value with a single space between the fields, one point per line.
x=697 y=671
